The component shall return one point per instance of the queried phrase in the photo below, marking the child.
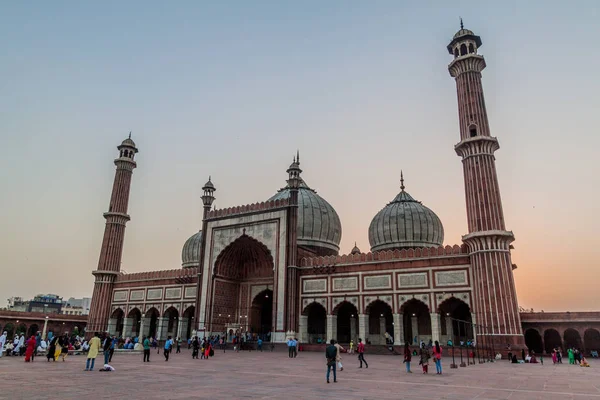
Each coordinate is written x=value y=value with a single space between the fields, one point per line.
x=424 y=359
x=106 y=368
x=583 y=362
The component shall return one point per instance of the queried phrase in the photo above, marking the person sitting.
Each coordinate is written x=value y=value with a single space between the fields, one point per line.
x=584 y=362
x=514 y=359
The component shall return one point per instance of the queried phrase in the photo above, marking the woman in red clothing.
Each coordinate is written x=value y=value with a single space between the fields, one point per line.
x=30 y=349
x=437 y=357
x=207 y=350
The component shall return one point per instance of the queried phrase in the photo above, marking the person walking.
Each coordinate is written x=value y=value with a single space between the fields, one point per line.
x=178 y=345
x=113 y=345
x=437 y=357
x=106 y=348
x=259 y=345
x=30 y=349
x=361 y=353
x=146 y=345
x=168 y=346
x=291 y=347
x=338 y=357
x=95 y=345
x=424 y=359
x=351 y=351
x=195 y=347
x=330 y=356
x=407 y=357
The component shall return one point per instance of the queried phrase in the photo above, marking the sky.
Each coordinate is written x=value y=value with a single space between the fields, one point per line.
x=233 y=88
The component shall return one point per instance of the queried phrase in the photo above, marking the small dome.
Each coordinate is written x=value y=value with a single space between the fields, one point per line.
x=405 y=223
x=190 y=254
x=319 y=226
x=463 y=32
x=128 y=142
x=208 y=185
x=355 y=250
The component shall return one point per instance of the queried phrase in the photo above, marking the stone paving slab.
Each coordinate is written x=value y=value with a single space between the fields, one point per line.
x=275 y=376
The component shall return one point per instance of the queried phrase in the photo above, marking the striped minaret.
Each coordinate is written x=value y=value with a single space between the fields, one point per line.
x=495 y=300
x=109 y=264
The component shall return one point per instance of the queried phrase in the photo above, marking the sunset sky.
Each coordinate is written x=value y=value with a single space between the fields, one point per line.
x=231 y=89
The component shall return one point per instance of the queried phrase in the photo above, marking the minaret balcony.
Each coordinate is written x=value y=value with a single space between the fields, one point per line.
x=477 y=145
x=466 y=63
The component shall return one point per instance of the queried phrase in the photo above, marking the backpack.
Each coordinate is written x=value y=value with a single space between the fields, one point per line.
x=331 y=352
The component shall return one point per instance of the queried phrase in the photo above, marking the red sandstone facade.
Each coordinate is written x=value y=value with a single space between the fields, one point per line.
x=273 y=267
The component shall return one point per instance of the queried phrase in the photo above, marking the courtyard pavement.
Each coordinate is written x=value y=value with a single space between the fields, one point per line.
x=275 y=376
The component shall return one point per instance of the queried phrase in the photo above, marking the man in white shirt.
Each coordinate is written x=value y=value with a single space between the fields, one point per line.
x=2 y=343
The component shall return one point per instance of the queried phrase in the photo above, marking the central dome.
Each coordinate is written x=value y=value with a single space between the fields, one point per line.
x=319 y=226
x=405 y=223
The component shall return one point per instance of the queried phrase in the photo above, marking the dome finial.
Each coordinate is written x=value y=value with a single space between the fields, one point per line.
x=298 y=157
x=129 y=134
x=401 y=180
x=461 y=23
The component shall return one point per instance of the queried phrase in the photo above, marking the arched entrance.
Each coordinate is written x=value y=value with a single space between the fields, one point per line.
x=347 y=322
x=22 y=329
x=417 y=321
x=261 y=314
x=591 y=340
x=9 y=328
x=152 y=316
x=188 y=322
x=572 y=339
x=134 y=322
x=316 y=323
x=33 y=330
x=170 y=323
x=243 y=265
x=115 y=324
x=455 y=320
x=381 y=321
x=552 y=340
x=533 y=341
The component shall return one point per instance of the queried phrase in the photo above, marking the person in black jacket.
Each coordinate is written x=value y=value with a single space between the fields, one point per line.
x=106 y=348
x=330 y=355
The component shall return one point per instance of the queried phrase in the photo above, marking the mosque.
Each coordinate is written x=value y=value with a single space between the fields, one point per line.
x=275 y=268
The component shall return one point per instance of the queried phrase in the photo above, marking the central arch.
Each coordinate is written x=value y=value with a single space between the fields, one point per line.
x=242 y=266
x=381 y=321
x=417 y=321
x=316 y=321
x=347 y=322
x=135 y=318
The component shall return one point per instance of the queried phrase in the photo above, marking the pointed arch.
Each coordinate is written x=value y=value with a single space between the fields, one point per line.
x=244 y=258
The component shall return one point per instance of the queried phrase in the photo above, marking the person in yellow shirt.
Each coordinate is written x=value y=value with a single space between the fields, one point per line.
x=93 y=352
x=351 y=347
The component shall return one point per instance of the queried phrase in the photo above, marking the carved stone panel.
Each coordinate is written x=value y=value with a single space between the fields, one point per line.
x=314 y=285
x=346 y=284
x=414 y=280
x=190 y=292
x=451 y=278
x=378 y=282
x=173 y=293
x=154 y=294
x=135 y=295
x=120 y=295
